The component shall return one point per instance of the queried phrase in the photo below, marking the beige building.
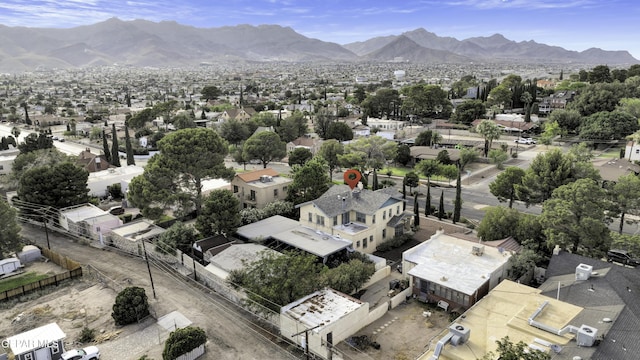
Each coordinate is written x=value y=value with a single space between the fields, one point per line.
x=256 y=189
x=523 y=314
x=323 y=319
x=364 y=217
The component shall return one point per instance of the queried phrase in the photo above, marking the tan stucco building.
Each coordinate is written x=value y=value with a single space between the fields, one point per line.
x=256 y=189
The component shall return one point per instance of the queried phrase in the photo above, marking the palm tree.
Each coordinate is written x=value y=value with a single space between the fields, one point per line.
x=15 y=131
x=489 y=131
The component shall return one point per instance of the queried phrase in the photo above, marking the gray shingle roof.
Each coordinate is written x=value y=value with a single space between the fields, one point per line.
x=614 y=289
x=340 y=198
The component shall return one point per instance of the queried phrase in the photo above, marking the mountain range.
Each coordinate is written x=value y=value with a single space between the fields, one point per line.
x=167 y=43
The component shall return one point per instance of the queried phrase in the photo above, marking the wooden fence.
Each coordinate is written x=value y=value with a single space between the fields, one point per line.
x=74 y=270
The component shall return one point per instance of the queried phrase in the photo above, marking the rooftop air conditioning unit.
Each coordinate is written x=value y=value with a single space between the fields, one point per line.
x=586 y=335
x=583 y=271
x=460 y=334
x=477 y=250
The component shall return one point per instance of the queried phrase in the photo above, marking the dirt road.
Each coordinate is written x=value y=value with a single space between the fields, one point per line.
x=231 y=335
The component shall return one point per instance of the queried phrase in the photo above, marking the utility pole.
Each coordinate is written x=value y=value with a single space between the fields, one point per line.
x=46 y=232
x=306 y=338
x=146 y=258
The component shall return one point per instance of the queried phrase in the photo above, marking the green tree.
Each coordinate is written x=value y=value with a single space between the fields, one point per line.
x=425 y=101
x=568 y=120
x=416 y=211
x=210 y=92
x=468 y=111
x=9 y=229
x=411 y=180
x=339 y=131
x=128 y=147
x=428 y=168
x=131 y=306
x=105 y=147
x=324 y=118
x=504 y=186
x=489 y=131
x=629 y=242
x=219 y=214
x=426 y=138
x=277 y=279
x=498 y=223
x=606 y=125
x=178 y=236
x=299 y=156
x=115 y=152
x=598 y=97
x=519 y=351
x=39 y=158
x=330 y=151
x=467 y=156
x=349 y=276
x=500 y=96
x=457 y=205
x=574 y=218
x=546 y=172
x=527 y=99
x=182 y=341
x=522 y=263
x=59 y=186
x=264 y=146
x=293 y=127
x=183 y=121
x=441 y=213
x=626 y=196
x=174 y=175
x=427 y=201
x=628 y=105
x=140 y=119
x=498 y=157
x=366 y=154
x=234 y=132
x=309 y=182
x=15 y=131
x=600 y=74
x=404 y=154
x=33 y=142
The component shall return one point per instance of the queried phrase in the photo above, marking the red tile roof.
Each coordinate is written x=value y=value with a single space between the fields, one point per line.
x=255 y=175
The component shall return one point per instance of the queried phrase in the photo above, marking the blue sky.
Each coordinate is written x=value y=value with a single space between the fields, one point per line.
x=571 y=24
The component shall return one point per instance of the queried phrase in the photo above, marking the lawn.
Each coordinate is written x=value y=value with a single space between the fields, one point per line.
x=402 y=171
x=611 y=153
x=16 y=281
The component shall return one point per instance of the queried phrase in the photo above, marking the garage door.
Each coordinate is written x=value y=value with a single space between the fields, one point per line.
x=43 y=354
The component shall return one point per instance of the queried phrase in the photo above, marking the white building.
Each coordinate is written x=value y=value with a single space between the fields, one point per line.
x=99 y=181
x=323 y=318
x=385 y=124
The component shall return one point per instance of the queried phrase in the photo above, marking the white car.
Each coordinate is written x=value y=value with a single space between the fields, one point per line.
x=88 y=353
x=528 y=141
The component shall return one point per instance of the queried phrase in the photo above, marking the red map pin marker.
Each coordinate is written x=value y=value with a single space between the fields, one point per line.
x=352 y=177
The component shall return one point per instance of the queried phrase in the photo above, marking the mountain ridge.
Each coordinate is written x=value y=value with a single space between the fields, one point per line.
x=167 y=43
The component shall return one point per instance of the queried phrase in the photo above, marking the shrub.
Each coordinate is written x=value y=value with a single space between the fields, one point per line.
x=182 y=341
x=131 y=306
x=394 y=243
x=87 y=335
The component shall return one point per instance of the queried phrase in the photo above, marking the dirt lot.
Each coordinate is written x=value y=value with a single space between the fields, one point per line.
x=403 y=333
x=230 y=335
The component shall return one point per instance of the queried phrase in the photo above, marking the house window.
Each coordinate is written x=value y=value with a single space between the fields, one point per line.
x=384 y=215
x=360 y=217
x=371 y=239
x=235 y=189
x=310 y=217
x=390 y=212
x=399 y=230
x=284 y=189
x=335 y=220
x=364 y=243
x=398 y=209
x=384 y=233
x=28 y=356
x=358 y=243
x=252 y=195
x=373 y=219
x=637 y=151
x=275 y=192
x=320 y=220
x=1 y=167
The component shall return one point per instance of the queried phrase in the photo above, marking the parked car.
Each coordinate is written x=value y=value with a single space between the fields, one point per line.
x=88 y=353
x=116 y=210
x=623 y=257
x=527 y=141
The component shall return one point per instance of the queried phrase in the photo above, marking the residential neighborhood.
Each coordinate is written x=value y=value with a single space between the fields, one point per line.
x=271 y=212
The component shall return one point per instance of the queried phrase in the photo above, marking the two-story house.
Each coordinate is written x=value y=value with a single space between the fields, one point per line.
x=364 y=217
x=256 y=189
x=241 y=114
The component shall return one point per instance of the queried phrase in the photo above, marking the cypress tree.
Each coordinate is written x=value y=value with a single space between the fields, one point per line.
x=115 y=156
x=427 y=206
x=404 y=190
x=127 y=139
x=105 y=147
x=416 y=211
x=457 y=206
x=441 y=207
x=375 y=180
